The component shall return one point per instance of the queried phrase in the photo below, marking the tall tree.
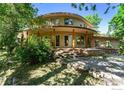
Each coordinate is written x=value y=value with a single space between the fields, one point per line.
x=14 y=18
x=116 y=26
x=94 y=19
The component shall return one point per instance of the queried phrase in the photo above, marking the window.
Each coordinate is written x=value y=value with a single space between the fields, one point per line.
x=57 y=40
x=66 y=41
x=56 y=21
x=47 y=22
x=89 y=41
x=80 y=41
x=68 y=21
x=80 y=25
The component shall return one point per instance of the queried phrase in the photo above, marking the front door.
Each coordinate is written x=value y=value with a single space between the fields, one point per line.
x=68 y=40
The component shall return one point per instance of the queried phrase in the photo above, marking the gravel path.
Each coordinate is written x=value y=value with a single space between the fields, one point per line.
x=111 y=69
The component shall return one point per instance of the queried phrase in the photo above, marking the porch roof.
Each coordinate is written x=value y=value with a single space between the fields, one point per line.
x=94 y=31
x=106 y=37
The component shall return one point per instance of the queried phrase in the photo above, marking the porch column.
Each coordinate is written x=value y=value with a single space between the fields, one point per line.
x=61 y=40
x=73 y=39
x=53 y=38
x=86 y=39
x=92 y=41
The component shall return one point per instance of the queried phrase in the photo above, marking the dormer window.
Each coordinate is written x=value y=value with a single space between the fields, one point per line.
x=68 y=21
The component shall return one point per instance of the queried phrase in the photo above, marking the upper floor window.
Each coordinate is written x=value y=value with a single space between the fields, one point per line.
x=68 y=21
x=56 y=21
x=80 y=25
x=47 y=22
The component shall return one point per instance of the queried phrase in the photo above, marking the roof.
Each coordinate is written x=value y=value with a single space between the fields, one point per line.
x=67 y=14
x=106 y=37
x=78 y=27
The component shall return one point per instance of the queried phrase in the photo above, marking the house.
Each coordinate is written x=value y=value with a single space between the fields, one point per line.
x=68 y=30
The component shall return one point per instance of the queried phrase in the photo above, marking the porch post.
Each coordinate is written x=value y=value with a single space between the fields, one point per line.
x=53 y=37
x=86 y=39
x=73 y=39
x=92 y=41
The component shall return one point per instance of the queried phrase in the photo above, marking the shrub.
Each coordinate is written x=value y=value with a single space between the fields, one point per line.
x=34 y=50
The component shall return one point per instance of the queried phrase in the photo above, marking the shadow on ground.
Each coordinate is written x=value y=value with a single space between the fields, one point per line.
x=22 y=75
x=112 y=66
x=40 y=80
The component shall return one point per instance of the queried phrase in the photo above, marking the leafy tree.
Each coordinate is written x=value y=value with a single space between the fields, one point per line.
x=14 y=18
x=93 y=7
x=116 y=26
x=94 y=19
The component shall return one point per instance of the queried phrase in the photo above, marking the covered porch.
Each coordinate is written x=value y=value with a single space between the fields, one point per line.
x=67 y=36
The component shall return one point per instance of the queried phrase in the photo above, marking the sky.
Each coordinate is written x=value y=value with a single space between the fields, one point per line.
x=44 y=8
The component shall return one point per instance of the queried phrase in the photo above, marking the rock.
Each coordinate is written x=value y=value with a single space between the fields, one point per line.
x=63 y=63
x=81 y=69
x=58 y=60
x=94 y=74
x=102 y=75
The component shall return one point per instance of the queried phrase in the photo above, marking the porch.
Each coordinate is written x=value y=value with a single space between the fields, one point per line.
x=67 y=36
x=74 y=37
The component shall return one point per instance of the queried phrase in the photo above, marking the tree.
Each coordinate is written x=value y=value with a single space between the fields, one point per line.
x=93 y=7
x=94 y=19
x=13 y=19
x=116 y=26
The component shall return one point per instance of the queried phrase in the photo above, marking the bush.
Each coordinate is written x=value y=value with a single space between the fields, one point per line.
x=34 y=50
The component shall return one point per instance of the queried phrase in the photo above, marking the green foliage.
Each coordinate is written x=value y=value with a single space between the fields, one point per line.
x=93 y=7
x=94 y=19
x=34 y=50
x=116 y=26
x=122 y=46
x=14 y=18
